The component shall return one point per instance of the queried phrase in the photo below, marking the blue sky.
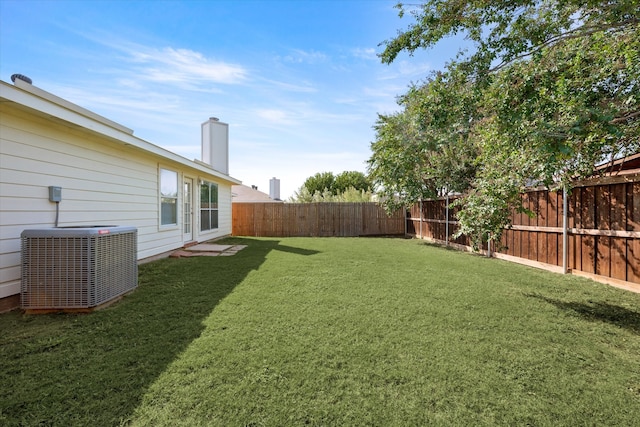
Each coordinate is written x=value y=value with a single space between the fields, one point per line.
x=298 y=81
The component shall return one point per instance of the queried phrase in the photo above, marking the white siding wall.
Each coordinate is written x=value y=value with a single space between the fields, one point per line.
x=224 y=206
x=103 y=183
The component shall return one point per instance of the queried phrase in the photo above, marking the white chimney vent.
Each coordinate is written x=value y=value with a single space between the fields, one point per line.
x=215 y=144
x=274 y=188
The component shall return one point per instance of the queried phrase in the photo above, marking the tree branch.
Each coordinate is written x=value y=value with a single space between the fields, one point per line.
x=626 y=117
x=572 y=34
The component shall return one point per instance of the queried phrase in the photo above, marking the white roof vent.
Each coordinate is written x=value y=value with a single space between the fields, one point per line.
x=274 y=188
x=20 y=77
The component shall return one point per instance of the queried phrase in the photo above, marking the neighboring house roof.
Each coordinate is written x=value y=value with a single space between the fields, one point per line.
x=40 y=102
x=245 y=194
x=622 y=166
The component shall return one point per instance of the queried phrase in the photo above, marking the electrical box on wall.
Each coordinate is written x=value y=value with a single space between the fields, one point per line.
x=55 y=194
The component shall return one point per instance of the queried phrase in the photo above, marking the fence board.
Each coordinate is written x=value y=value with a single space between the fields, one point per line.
x=633 y=207
x=588 y=244
x=633 y=263
x=573 y=253
x=588 y=207
x=618 y=217
x=554 y=250
x=524 y=245
x=543 y=209
x=603 y=256
x=315 y=219
x=535 y=208
x=603 y=225
x=554 y=206
x=619 y=258
x=524 y=218
x=543 y=251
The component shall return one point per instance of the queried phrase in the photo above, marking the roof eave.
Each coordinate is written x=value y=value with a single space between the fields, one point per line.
x=52 y=106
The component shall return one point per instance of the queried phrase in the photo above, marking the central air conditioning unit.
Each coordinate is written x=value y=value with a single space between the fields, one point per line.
x=77 y=267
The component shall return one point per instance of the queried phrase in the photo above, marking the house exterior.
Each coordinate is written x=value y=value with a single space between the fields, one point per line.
x=106 y=176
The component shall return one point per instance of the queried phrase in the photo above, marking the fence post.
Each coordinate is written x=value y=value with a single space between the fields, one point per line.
x=565 y=231
x=406 y=219
x=421 y=218
x=446 y=221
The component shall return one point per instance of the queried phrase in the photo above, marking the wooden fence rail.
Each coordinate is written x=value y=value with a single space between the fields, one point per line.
x=602 y=229
x=315 y=220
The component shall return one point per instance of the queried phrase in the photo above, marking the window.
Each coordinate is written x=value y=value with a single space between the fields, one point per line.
x=168 y=197
x=208 y=206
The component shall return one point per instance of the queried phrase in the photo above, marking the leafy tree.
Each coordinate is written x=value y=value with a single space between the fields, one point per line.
x=301 y=196
x=320 y=182
x=425 y=150
x=551 y=89
x=355 y=195
x=351 y=194
x=504 y=32
x=348 y=186
x=351 y=179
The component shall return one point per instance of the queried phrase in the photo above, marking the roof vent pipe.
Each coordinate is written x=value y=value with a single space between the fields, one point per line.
x=274 y=188
x=20 y=77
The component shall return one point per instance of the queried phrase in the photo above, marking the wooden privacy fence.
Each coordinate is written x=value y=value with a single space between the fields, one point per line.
x=315 y=220
x=602 y=233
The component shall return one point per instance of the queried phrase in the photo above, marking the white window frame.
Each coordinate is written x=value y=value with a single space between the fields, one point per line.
x=168 y=196
x=208 y=209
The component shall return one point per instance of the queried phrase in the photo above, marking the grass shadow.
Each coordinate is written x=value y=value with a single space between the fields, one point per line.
x=438 y=245
x=294 y=250
x=599 y=312
x=451 y=248
x=93 y=369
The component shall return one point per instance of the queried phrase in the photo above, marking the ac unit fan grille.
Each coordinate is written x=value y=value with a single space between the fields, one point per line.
x=77 y=271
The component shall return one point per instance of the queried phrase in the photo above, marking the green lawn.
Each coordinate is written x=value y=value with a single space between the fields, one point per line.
x=332 y=332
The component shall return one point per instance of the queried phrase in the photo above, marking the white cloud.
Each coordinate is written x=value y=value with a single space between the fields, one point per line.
x=298 y=115
x=365 y=53
x=305 y=87
x=275 y=116
x=118 y=99
x=283 y=121
x=169 y=65
x=332 y=156
x=309 y=57
x=388 y=92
